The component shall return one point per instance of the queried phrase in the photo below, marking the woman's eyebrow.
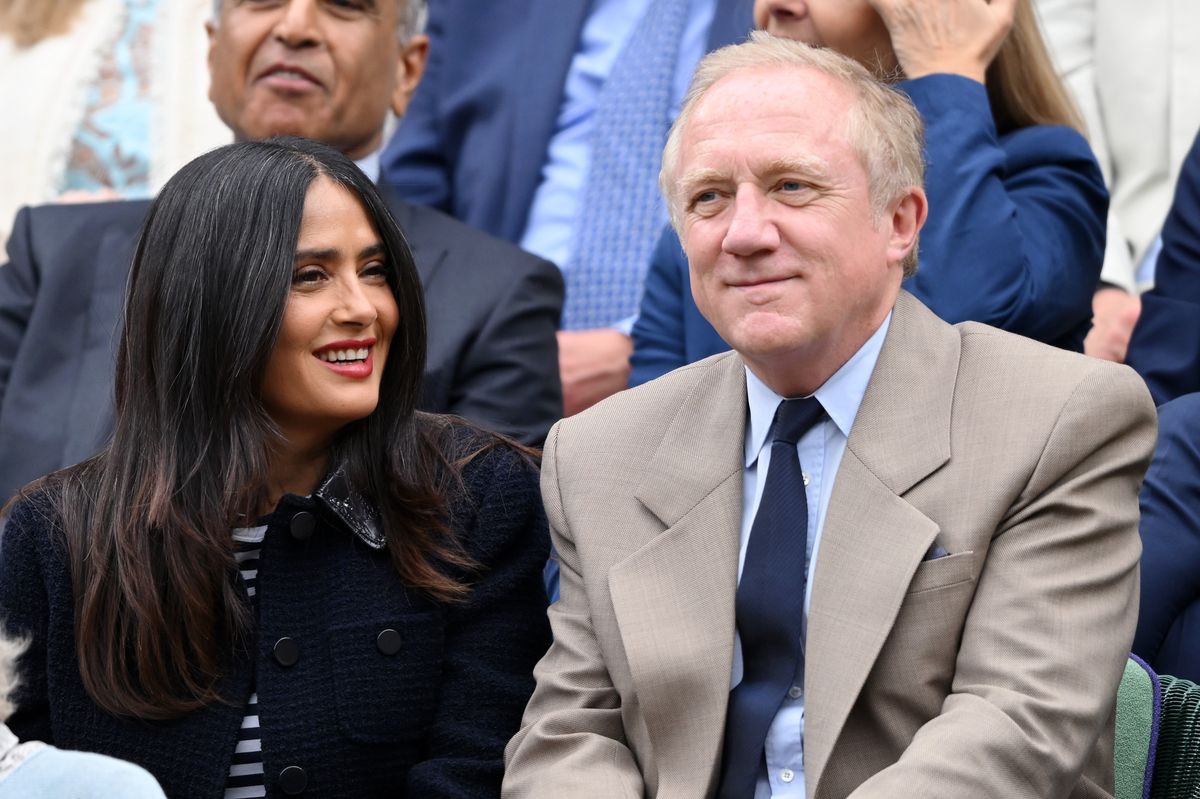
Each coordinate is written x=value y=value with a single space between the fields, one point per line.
x=326 y=254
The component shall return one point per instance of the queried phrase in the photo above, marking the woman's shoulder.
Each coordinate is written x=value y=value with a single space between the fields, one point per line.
x=495 y=500
x=480 y=458
x=33 y=513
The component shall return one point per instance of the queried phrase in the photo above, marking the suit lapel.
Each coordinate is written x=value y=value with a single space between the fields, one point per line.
x=427 y=252
x=872 y=539
x=86 y=428
x=674 y=598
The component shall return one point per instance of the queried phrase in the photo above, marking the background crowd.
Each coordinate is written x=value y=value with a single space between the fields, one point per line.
x=511 y=152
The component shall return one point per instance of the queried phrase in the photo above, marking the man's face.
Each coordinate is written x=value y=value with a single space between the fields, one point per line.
x=324 y=69
x=789 y=260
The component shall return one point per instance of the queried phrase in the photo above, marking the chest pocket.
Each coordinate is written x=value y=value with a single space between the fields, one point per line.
x=387 y=676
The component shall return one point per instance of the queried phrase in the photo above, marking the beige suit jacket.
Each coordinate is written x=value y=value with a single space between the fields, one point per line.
x=990 y=672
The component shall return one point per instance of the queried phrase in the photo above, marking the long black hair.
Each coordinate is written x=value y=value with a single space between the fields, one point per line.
x=159 y=611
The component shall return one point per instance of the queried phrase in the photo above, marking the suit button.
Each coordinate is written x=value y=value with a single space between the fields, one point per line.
x=302 y=526
x=286 y=652
x=293 y=780
x=388 y=642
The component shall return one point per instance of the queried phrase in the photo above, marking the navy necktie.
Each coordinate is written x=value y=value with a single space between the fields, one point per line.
x=770 y=602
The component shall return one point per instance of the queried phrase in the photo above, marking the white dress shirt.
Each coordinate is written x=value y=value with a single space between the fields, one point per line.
x=820 y=451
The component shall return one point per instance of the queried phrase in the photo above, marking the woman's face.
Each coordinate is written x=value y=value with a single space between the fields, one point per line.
x=851 y=27
x=339 y=320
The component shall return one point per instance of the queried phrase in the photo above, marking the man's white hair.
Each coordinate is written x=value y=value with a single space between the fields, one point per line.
x=884 y=126
x=410 y=21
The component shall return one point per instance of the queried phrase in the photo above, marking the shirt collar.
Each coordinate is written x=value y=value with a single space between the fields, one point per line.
x=369 y=164
x=840 y=395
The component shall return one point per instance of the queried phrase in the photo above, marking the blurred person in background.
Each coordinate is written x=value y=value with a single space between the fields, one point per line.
x=33 y=769
x=102 y=99
x=542 y=122
x=1017 y=203
x=330 y=72
x=280 y=576
x=1165 y=346
x=1130 y=67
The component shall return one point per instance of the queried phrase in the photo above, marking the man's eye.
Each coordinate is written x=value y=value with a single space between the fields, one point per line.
x=791 y=185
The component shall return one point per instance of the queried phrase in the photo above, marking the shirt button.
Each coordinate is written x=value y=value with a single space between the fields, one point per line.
x=795 y=692
x=787 y=775
x=804 y=476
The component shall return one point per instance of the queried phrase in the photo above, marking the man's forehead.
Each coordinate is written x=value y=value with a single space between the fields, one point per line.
x=775 y=90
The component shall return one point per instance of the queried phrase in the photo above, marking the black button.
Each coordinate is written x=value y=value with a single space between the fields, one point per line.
x=286 y=652
x=293 y=780
x=303 y=525
x=388 y=641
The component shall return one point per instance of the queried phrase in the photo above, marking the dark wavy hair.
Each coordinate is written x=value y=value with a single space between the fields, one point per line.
x=159 y=609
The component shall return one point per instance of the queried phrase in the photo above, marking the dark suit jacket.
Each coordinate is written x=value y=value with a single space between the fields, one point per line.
x=474 y=139
x=492 y=311
x=1015 y=236
x=430 y=720
x=1168 y=630
x=1165 y=348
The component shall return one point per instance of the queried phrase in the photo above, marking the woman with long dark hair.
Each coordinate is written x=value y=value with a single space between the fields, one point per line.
x=279 y=577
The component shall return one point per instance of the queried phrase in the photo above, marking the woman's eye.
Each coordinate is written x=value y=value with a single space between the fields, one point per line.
x=375 y=269
x=308 y=275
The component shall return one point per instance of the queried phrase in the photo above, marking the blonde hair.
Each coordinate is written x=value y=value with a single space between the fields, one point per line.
x=1023 y=87
x=884 y=127
x=10 y=650
x=30 y=21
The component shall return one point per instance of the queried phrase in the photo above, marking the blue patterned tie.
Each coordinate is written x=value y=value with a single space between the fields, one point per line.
x=620 y=216
x=770 y=603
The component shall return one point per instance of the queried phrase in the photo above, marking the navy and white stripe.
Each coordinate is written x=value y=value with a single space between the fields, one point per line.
x=246 y=768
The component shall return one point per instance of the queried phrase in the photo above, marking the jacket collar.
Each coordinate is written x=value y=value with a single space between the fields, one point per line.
x=359 y=516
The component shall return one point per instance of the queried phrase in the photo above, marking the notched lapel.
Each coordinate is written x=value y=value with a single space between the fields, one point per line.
x=871 y=544
x=674 y=604
x=873 y=540
x=674 y=597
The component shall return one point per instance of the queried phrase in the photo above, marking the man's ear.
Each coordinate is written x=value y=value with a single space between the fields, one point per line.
x=414 y=54
x=211 y=31
x=907 y=215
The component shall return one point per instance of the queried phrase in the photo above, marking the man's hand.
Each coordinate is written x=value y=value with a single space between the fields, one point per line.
x=960 y=37
x=594 y=364
x=1114 y=313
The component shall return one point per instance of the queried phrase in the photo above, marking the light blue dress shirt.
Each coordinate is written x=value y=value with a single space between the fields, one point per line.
x=556 y=203
x=820 y=451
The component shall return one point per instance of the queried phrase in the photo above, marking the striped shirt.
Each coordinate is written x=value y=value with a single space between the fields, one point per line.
x=246 y=769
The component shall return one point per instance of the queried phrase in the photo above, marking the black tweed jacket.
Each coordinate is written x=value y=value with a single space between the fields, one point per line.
x=423 y=711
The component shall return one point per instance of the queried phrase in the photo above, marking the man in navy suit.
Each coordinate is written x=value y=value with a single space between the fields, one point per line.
x=498 y=135
x=1165 y=348
x=303 y=67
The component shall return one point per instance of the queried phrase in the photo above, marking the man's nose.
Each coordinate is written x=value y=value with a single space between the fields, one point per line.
x=751 y=228
x=297 y=25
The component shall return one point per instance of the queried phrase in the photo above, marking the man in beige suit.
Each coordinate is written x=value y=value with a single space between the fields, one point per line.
x=966 y=591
